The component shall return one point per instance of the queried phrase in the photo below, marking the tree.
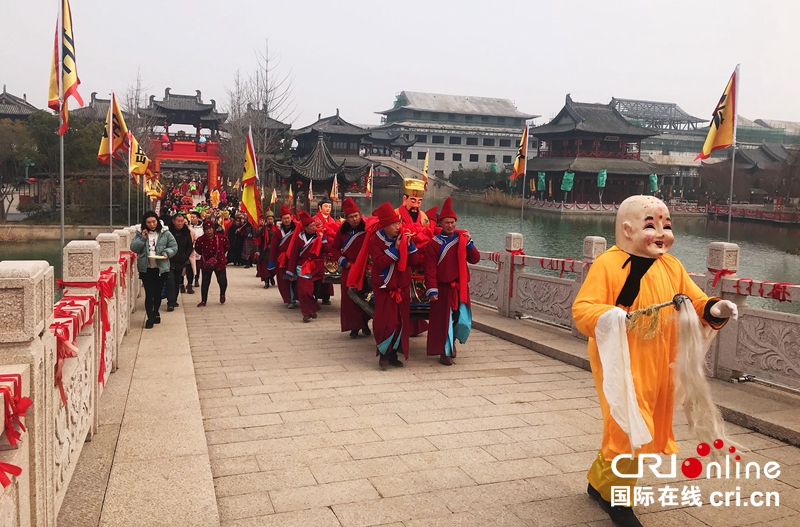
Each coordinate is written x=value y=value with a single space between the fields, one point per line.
x=256 y=100
x=16 y=147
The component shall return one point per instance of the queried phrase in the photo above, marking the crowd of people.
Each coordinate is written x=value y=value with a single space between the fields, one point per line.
x=403 y=256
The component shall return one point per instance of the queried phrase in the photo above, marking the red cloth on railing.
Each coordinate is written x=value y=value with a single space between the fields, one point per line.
x=105 y=287
x=748 y=281
x=719 y=273
x=15 y=405
x=71 y=313
x=778 y=291
x=5 y=470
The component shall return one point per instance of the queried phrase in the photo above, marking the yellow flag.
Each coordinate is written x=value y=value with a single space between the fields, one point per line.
x=138 y=162
x=722 y=131
x=117 y=133
x=251 y=201
x=63 y=68
x=291 y=195
x=274 y=198
x=425 y=169
x=520 y=163
x=369 y=182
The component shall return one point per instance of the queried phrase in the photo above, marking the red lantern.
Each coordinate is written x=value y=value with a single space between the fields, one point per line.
x=81 y=181
x=32 y=179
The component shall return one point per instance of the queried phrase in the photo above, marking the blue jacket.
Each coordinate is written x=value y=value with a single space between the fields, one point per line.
x=165 y=243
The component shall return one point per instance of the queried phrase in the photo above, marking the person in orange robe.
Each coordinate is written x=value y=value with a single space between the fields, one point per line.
x=636 y=273
x=447 y=285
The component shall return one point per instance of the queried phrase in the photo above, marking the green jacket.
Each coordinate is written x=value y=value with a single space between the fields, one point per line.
x=165 y=243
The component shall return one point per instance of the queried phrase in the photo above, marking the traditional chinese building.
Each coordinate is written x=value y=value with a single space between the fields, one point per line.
x=15 y=108
x=182 y=151
x=456 y=131
x=584 y=139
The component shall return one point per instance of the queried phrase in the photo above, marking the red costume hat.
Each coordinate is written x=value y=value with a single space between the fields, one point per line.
x=285 y=210
x=431 y=214
x=386 y=214
x=447 y=210
x=349 y=207
x=304 y=218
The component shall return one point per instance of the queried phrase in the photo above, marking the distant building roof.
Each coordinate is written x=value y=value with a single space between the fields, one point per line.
x=261 y=118
x=456 y=104
x=96 y=110
x=184 y=109
x=791 y=127
x=321 y=166
x=444 y=127
x=590 y=118
x=13 y=107
x=333 y=125
x=656 y=115
x=625 y=167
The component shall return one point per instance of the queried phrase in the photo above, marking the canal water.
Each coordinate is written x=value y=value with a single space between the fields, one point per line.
x=764 y=248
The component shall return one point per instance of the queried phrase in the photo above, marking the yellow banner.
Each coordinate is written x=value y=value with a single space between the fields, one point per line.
x=722 y=130
x=520 y=162
x=138 y=162
x=117 y=133
x=251 y=201
x=63 y=68
x=425 y=169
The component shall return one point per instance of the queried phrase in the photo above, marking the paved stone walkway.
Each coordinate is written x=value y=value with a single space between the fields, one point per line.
x=304 y=430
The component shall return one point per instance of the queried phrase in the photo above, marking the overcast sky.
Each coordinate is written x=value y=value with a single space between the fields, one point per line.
x=357 y=55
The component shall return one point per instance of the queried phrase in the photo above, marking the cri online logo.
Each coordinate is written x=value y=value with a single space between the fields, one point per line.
x=693 y=468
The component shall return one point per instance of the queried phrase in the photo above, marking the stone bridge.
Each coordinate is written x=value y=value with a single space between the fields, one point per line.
x=438 y=188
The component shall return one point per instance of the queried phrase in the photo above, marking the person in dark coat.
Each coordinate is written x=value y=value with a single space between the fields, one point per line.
x=177 y=264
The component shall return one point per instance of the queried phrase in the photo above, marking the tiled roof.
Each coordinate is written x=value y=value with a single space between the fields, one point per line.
x=13 y=106
x=590 y=118
x=332 y=125
x=456 y=104
x=321 y=166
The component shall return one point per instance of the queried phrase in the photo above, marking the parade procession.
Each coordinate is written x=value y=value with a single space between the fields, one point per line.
x=247 y=279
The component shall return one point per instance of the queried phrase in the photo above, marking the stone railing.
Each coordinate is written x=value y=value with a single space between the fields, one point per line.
x=63 y=354
x=761 y=342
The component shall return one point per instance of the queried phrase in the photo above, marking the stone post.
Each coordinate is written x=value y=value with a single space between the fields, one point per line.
x=593 y=246
x=109 y=258
x=26 y=312
x=125 y=295
x=82 y=264
x=722 y=256
x=137 y=284
x=15 y=500
x=514 y=243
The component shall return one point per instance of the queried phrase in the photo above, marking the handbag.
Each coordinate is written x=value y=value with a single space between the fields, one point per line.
x=208 y=264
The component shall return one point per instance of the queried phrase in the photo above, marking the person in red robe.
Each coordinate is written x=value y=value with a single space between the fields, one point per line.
x=393 y=253
x=417 y=222
x=278 y=259
x=345 y=248
x=328 y=227
x=306 y=254
x=447 y=284
x=263 y=240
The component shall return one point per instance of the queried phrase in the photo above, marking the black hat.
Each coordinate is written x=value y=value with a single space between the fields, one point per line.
x=323 y=201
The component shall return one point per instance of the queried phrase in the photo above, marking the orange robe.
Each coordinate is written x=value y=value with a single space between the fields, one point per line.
x=650 y=359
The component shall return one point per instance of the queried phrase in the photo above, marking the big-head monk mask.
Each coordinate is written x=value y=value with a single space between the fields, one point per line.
x=644 y=227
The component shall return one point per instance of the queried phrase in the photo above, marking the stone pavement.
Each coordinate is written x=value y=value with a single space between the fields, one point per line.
x=303 y=429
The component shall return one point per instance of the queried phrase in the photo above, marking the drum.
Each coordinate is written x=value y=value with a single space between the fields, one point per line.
x=420 y=307
x=333 y=274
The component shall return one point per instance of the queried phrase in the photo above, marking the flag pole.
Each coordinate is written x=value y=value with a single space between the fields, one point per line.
x=524 y=175
x=60 y=80
x=733 y=145
x=111 y=161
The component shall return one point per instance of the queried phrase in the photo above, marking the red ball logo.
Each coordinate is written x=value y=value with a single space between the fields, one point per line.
x=692 y=467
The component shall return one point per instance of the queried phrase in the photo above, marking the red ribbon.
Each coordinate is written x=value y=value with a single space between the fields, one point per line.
x=719 y=274
x=105 y=287
x=402 y=261
x=778 y=291
x=15 y=406
x=395 y=294
x=749 y=282
x=8 y=468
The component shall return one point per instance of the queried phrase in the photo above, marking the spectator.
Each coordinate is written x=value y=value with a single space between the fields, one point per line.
x=183 y=238
x=153 y=245
x=211 y=247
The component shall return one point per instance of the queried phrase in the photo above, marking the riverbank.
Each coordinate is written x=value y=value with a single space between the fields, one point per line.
x=16 y=232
